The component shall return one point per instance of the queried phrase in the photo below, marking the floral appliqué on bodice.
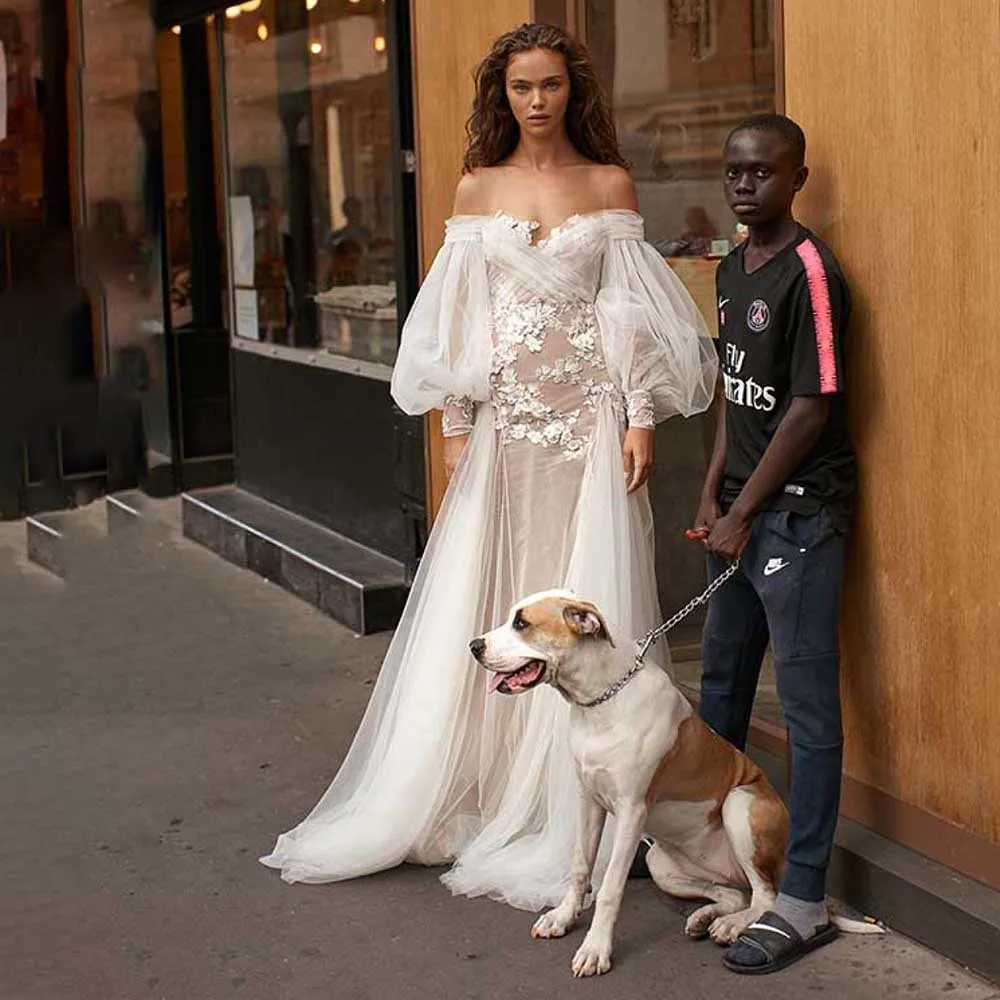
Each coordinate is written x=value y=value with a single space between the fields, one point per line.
x=548 y=378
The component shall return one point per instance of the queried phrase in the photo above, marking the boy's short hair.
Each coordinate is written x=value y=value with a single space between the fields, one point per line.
x=782 y=125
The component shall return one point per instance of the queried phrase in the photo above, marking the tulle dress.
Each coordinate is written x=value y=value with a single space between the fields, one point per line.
x=545 y=350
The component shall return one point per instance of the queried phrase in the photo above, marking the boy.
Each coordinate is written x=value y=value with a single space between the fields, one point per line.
x=778 y=496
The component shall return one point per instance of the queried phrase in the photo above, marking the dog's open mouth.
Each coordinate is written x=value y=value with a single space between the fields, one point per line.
x=519 y=680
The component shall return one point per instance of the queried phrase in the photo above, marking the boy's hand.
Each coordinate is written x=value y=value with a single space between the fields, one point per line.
x=708 y=513
x=729 y=536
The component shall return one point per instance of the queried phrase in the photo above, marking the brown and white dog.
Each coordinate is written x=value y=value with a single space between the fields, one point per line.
x=717 y=826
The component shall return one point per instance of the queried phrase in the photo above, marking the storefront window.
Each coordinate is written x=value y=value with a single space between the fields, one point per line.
x=681 y=75
x=121 y=169
x=36 y=236
x=310 y=197
x=121 y=208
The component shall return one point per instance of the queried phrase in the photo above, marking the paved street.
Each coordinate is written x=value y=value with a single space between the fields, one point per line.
x=164 y=716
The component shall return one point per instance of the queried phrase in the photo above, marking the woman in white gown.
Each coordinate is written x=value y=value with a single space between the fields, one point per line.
x=553 y=337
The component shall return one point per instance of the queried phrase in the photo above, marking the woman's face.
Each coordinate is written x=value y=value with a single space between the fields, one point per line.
x=538 y=91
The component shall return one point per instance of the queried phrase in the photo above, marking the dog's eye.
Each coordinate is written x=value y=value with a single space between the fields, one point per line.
x=519 y=623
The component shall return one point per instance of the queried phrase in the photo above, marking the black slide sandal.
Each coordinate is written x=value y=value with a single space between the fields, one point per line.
x=777 y=941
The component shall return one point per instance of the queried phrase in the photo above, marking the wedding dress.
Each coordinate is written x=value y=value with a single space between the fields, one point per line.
x=544 y=350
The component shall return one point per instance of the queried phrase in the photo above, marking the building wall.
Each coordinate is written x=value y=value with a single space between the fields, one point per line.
x=900 y=112
x=449 y=40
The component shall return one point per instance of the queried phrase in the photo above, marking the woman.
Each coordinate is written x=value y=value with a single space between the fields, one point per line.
x=553 y=338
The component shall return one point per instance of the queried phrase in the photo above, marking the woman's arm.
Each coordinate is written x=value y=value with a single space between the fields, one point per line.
x=638 y=448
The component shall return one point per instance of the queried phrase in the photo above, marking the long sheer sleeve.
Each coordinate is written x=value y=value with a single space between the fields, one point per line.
x=459 y=415
x=656 y=344
x=444 y=353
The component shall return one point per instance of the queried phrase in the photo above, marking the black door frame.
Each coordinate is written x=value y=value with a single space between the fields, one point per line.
x=196 y=358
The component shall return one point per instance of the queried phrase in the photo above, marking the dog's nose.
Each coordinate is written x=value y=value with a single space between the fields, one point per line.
x=476 y=647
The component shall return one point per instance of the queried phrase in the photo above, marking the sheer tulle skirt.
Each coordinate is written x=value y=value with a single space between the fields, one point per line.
x=441 y=770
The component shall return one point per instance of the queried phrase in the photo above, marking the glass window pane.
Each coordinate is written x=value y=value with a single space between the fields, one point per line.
x=122 y=192
x=36 y=234
x=681 y=74
x=310 y=153
x=121 y=171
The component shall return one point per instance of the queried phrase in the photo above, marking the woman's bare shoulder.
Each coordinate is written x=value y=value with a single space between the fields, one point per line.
x=474 y=194
x=615 y=187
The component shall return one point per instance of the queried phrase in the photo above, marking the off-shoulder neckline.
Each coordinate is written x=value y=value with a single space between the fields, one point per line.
x=534 y=224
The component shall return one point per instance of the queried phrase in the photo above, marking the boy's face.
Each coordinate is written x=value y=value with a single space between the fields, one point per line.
x=762 y=177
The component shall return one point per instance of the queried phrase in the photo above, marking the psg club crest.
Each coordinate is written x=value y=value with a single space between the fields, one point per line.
x=758 y=316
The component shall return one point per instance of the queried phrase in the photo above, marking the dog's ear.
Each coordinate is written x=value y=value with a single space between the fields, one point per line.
x=586 y=620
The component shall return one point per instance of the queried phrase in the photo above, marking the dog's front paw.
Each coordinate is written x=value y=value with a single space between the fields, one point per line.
x=698 y=923
x=593 y=957
x=725 y=930
x=553 y=924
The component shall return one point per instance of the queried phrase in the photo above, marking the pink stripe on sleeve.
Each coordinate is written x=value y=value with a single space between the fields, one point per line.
x=819 y=299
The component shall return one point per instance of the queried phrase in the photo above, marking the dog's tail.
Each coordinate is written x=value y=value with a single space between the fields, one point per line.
x=846 y=925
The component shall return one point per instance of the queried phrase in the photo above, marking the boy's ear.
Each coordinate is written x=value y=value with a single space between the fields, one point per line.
x=801 y=176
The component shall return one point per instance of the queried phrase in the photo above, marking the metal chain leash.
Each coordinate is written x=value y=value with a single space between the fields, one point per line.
x=662 y=630
x=695 y=602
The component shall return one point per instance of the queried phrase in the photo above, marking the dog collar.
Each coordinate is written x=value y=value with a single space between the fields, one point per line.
x=615 y=688
x=656 y=633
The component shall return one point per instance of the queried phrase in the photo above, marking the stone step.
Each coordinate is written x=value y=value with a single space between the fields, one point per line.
x=356 y=586
x=124 y=510
x=52 y=539
x=19 y=572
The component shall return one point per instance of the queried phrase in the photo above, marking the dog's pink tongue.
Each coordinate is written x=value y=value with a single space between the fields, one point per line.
x=496 y=680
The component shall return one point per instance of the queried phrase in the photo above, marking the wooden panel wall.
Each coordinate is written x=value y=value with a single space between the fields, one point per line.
x=900 y=109
x=450 y=37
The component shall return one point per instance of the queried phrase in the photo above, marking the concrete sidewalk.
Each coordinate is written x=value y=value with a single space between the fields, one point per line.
x=164 y=716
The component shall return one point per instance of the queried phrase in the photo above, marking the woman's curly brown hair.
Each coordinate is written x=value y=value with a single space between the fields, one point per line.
x=492 y=129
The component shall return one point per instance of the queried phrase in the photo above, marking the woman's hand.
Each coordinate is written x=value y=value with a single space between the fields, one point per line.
x=637 y=453
x=454 y=447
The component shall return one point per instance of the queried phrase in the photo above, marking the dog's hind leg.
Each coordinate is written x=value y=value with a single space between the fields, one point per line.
x=756 y=823
x=676 y=875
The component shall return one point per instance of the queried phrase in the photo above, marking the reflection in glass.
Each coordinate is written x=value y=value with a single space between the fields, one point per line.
x=36 y=240
x=310 y=208
x=122 y=185
x=681 y=75
x=122 y=204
